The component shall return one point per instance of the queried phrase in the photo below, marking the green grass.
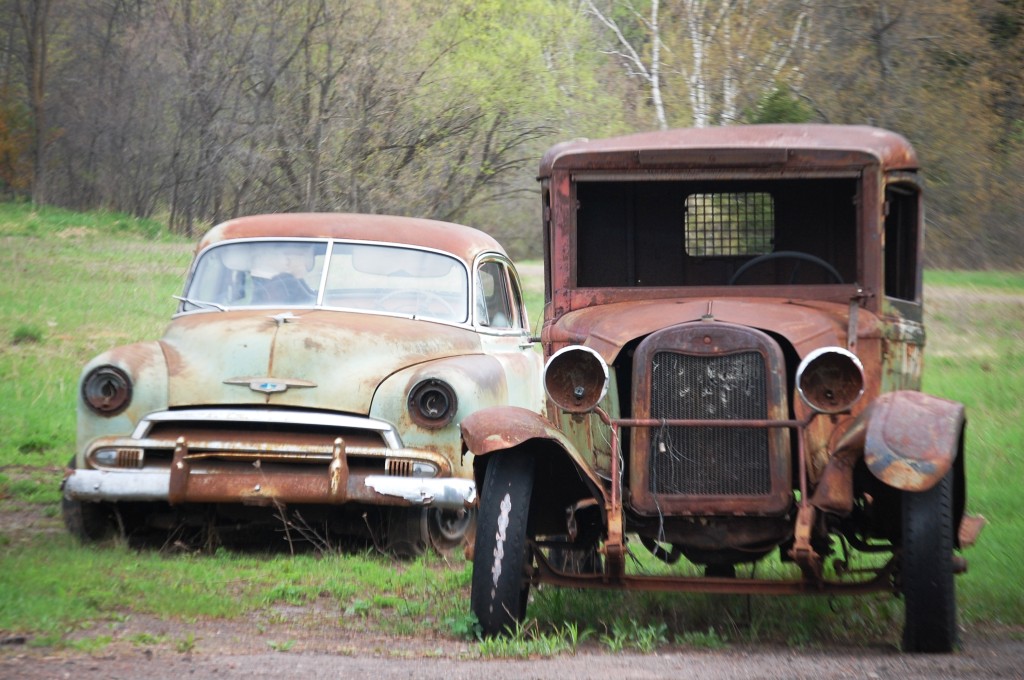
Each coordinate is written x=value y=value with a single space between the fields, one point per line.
x=23 y=219
x=75 y=284
x=531 y=276
x=53 y=588
x=975 y=355
x=78 y=284
x=990 y=280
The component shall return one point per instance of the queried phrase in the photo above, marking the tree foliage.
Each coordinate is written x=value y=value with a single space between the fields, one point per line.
x=200 y=110
x=946 y=74
x=203 y=110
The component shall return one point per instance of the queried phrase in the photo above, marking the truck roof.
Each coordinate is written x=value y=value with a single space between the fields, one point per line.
x=740 y=145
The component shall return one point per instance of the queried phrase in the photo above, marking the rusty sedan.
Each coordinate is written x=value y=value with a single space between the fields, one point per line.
x=314 y=376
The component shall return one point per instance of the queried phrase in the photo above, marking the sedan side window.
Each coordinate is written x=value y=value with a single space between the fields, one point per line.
x=494 y=305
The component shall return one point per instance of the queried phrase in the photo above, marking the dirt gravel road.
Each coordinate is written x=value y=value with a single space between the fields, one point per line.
x=981 y=658
x=226 y=650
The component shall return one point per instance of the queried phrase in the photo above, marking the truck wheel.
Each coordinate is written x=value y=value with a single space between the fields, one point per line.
x=927 y=569
x=501 y=558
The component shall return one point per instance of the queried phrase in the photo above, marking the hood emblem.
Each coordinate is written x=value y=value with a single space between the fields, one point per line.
x=270 y=385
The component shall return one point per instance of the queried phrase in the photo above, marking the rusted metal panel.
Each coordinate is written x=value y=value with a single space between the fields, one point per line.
x=146 y=398
x=903 y=355
x=344 y=354
x=495 y=429
x=757 y=145
x=484 y=376
x=491 y=430
x=913 y=439
x=292 y=486
x=606 y=328
x=454 y=238
x=834 y=490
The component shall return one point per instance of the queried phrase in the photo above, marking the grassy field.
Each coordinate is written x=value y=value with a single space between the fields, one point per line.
x=77 y=284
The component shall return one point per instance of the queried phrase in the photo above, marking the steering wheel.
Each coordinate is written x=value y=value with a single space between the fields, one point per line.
x=786 y=255
x=421 y=299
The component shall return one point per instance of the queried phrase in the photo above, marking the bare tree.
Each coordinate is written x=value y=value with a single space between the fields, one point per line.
x=213 y=43
x=34 y=18
x=921 y=70
x=630 y=54
x=109 y=102
x=727 y=53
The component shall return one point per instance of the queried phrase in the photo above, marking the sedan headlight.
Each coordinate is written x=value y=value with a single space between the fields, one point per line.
x=107 y=390
x=432 y=403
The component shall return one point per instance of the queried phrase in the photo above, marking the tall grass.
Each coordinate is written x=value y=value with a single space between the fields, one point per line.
x=78 y=284
x=975 y=355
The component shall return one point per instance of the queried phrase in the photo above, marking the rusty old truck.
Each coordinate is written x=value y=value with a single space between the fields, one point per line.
x=733 y=347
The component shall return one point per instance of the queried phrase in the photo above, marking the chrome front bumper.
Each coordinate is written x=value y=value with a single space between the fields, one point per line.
x=448 y=493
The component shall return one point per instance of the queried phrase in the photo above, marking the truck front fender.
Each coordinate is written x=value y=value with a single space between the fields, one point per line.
x=913 y=439
x=492 y=430
x=908 y=440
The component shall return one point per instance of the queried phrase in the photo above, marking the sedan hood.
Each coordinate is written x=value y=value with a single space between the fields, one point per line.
x=313 y=359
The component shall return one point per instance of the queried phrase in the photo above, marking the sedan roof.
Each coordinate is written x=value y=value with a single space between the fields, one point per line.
x=462 y=241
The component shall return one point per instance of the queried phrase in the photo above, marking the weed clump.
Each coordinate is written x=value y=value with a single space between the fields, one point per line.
x=27 y=335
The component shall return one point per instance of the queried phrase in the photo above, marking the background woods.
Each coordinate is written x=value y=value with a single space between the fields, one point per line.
x=198 y=110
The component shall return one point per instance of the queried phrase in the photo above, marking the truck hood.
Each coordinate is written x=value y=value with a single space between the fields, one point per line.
x=806 y=324
x=308 y=358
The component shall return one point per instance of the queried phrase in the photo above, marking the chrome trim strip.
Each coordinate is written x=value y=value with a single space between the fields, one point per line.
x=276 y=417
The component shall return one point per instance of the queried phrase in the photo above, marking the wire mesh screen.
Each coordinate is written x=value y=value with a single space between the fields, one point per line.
x=709 y=460
x=729 y=224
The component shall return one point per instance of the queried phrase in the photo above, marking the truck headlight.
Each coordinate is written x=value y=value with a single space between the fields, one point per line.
x=830 y=380
x=576 y=379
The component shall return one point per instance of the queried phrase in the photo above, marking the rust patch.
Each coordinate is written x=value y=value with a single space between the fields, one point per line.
x=913 y=439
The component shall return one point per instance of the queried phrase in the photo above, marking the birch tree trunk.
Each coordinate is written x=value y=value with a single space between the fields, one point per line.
x=630 y=54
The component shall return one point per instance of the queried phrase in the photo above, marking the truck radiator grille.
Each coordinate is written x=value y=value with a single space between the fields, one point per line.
x=703 y=461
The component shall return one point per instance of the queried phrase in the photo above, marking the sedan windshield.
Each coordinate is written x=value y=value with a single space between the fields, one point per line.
x=332 y=274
